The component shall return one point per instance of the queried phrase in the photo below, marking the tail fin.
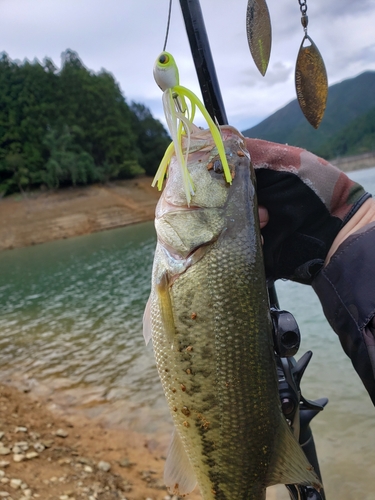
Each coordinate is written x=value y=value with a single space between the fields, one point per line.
x=290 y=465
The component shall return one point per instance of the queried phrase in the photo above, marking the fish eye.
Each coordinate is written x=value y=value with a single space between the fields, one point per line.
x=163 y=59
x=218 y=167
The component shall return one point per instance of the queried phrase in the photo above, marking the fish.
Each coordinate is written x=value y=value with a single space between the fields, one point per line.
x=209 y=321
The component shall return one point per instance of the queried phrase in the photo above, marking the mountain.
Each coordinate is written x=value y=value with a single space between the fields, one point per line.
x=356 y=138
x=347 y=102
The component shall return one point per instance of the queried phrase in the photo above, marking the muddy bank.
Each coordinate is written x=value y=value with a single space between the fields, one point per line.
x=357 y=162
x=40 y=217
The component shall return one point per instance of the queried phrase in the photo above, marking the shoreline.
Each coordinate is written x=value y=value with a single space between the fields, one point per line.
x=67 y=468
x=40 y=217
x=45 y=454
x=49 y=454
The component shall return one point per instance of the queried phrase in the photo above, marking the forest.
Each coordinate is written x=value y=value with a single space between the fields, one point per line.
x=71 y=127
x=356 y=138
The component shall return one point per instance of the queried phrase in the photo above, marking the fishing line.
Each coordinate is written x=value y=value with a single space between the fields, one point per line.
x=168 y=24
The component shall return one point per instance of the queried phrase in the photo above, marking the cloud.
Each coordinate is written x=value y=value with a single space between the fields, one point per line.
x=280 y=72
x=365 y=55
x=340 y=8
x=126 y=37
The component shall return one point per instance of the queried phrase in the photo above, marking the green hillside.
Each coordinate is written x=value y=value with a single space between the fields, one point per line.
x=356 y=138
x=69 y=127
x=348 y=102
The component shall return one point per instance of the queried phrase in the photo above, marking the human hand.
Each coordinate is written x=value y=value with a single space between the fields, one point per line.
x=363 y=217
x=263 y=216
x=305 y=203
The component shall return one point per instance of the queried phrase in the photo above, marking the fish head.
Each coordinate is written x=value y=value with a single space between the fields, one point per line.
x=205 y=168
x=183 y=227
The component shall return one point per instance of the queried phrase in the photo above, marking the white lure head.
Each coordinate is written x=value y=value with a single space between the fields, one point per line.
x=166 y=71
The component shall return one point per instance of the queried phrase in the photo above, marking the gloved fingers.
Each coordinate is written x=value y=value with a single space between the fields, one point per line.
x=263 y=216
x=364 y=215
x=304 y=202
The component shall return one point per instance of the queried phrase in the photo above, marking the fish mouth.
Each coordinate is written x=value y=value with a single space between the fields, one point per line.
x=165 y=207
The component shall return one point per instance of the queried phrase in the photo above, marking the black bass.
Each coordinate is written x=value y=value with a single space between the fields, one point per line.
x=209 y=320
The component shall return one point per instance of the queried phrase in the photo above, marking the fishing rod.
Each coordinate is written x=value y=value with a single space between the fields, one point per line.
x=207 y=78
x=289 y=371
x=202 y=57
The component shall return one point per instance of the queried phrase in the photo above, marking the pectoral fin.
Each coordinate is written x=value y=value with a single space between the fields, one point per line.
x=147 y=322
x=290 y=465
x=165 y=304
x=179 y=475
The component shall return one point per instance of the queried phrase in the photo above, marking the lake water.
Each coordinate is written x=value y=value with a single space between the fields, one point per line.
x=71 y=329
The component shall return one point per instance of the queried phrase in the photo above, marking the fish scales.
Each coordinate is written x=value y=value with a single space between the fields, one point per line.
x=212 y=331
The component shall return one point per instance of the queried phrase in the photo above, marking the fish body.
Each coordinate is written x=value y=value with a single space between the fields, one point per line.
x=208 y=316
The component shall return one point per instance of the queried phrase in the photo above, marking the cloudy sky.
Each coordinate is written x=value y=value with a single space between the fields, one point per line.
x=125 y=37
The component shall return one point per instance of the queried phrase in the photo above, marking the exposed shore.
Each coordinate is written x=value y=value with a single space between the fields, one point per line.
x=39 y=217
x=47 y=455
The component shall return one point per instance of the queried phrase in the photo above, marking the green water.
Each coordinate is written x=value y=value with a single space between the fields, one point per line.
x=71 y=321
x=71 y=329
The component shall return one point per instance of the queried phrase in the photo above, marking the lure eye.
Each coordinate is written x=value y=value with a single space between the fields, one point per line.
x=164 y=59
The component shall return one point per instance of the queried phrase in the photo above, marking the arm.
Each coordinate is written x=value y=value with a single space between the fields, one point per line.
x=346 y=290
x=319 y=229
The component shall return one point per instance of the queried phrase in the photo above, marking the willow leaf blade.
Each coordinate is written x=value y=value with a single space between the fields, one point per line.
x=258 y=29
x=311 y=82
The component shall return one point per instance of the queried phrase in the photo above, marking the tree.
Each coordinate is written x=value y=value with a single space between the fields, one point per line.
x=152 y=138
x=68 y=162
x=71 y=126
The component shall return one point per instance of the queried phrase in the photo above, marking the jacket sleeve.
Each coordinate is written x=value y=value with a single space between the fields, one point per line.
x=346 y=290
x=308 y=201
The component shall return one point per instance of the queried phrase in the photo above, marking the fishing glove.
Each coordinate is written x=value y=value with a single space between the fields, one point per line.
x=346 y=290
x=308 y=201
